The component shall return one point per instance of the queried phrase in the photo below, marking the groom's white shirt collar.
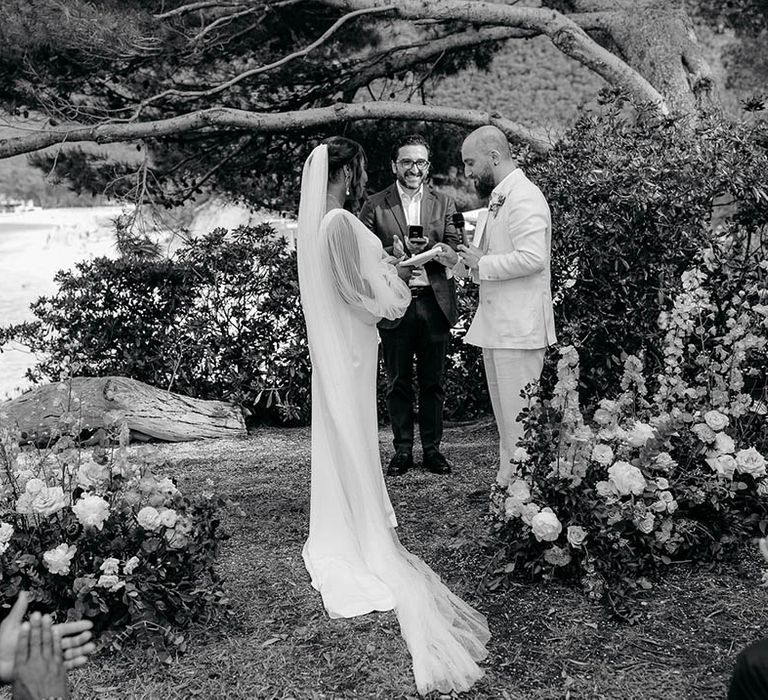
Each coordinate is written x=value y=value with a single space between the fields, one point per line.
x=407 y=196
x=506 y=184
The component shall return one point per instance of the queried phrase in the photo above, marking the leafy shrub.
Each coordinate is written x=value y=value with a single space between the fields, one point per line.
x=632 y=204
x=93 y=533
x=649 y=477
x=220 y=320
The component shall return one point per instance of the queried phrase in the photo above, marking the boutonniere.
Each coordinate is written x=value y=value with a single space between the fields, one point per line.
x=495 y=203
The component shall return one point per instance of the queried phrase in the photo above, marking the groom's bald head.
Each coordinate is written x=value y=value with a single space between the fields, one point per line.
x=487 y=140
x=487 y=158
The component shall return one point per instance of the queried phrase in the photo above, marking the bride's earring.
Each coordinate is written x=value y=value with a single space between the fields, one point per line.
x=347 y=187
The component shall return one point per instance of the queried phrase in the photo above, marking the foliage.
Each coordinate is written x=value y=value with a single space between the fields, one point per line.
x=666 y=468
x=632 y=204
x=93 y=533
x=218 y=321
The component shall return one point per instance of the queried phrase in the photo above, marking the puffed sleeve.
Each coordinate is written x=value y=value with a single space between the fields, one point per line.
x=363 y=277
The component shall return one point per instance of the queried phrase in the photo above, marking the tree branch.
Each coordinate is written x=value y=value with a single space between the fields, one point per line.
x=191 y=7
x=564 y=33
x=221 y=118
x=262 y=69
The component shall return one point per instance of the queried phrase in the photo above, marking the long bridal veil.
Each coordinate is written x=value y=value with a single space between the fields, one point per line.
x=352 y=553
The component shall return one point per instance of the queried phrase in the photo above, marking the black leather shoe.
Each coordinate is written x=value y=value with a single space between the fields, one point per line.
x=436 y=463
x=400 y=463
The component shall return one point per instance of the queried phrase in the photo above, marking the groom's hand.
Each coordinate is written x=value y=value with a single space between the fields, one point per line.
x=470 y=255
x=446 y=255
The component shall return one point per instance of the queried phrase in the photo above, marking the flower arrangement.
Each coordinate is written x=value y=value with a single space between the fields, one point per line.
x=641 y=480
x=94 y=533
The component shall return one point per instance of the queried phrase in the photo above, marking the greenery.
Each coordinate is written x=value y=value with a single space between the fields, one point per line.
x=669 y=466
x=220 y=320
x=95 y=534
x=548 y=639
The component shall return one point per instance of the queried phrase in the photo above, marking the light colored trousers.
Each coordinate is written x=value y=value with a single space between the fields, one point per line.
x=508 y=371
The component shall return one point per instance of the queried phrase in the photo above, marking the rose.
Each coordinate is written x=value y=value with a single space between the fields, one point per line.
x=646 y=524
x=557 y=556
x=42 y=500
x=518 y=489
x=92 y=475
x=58 y=560
x=168 y=517
x=602 y=417
x=751 y=462
x=662 y=483
x=602 y=454
x=6 y=532
x=604 y=489
x=640 y=434
x=716 y=420
x=725 y=465
x=529 y=511
x=545 y=525
x=149 y=518
x=110 y=566
x=130 y=566
x=664 y=461
x=703 y=432
x=576 y=535
x=626 y=479
x=91 y=511
x=724 y=444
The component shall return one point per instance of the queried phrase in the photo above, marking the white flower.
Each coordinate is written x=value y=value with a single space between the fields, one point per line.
x=130 y=566
x=725 y=465
x=110 y=581
x=529 y=511
x=149 y=518
x=110 y=566
x=545 y=525
x=602 y=454
x=520 y=455
x=604 y=489
x=640 y=434
x=576 y=535
x=92 y=475
x=518 y=490
x=557 y=556
x=724 y=444
x=750 y=462
x=626 y=479
x=602 y=417
x=646 y=524
x=716 y=420
x=6 y=532
x=664 y=461
x=168 y=517
x=513 y=508
x=58 y=560
x=41 y=500
x=91 y=511
x=762 y=488
x=703 y=432
x=662 y=483
x=167 y=487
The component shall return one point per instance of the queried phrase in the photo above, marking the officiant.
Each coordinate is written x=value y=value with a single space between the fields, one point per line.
x=411 y=214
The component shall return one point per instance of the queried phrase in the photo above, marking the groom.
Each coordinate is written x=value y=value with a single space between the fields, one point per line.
x=509 y=258
x=424 y=331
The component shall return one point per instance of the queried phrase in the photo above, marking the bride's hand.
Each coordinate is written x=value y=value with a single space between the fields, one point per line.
x=398 y=250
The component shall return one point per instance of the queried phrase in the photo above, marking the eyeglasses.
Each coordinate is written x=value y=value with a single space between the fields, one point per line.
x=407 y=164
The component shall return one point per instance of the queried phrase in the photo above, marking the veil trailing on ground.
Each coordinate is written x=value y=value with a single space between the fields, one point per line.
x=352 y=553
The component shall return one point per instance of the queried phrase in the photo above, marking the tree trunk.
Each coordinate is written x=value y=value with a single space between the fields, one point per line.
x=104 y=402
x=657 y=39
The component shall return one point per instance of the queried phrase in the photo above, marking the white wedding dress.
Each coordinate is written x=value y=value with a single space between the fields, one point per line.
x=353 y=554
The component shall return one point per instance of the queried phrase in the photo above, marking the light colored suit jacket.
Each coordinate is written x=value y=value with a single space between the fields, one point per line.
x=515 y=306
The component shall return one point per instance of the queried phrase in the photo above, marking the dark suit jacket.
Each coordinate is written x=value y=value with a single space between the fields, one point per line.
x=383 y=214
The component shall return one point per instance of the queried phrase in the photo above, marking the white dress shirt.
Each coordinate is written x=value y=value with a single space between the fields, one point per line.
x=411 y=202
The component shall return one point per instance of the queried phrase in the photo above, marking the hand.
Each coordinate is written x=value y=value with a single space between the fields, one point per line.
x=404 y=272
x=40 y=671
x=470 y=255
x=417 y=245
x=75 y=639
x=398 y=250
x=447 y=255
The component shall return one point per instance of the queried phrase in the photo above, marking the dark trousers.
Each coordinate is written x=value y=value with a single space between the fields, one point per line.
x=423 y=334
x=750 y=675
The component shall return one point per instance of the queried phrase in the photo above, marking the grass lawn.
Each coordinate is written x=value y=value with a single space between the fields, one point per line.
x=548 y=640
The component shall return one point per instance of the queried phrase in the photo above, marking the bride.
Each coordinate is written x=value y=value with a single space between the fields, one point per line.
x=353 y=555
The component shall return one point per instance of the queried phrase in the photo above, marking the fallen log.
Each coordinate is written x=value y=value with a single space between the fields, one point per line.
x=105 y=402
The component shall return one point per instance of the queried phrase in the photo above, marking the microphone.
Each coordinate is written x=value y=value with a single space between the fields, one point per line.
x=457 y=220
